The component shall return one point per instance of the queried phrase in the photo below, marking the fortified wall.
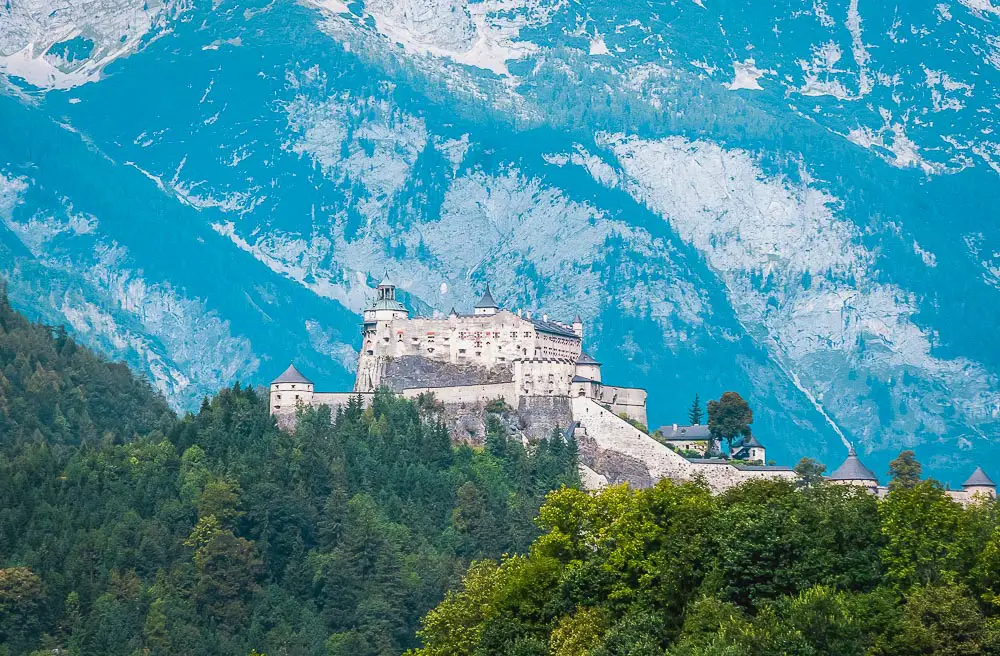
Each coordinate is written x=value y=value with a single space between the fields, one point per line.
x=532 y=372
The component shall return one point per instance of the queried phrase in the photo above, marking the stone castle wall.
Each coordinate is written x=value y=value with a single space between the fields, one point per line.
x=628 y=400
x=621 y=453
x=485 y=341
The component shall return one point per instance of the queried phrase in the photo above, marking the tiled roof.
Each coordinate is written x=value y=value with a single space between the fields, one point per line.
x=582 y=379
x=698 y=432
x=553 y=328
x=979 y=479
x=291 y=375
x=387 y=304
x=586 y=359
x=853 y=469
x=487 y=300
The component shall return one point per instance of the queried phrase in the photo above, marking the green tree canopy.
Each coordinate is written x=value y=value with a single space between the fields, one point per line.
x=729 y=417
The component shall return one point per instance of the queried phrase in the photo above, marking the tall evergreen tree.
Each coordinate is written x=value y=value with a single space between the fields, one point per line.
x=694 y=412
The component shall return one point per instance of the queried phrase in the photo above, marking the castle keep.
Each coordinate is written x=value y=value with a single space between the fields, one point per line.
x=535 y=369
x=533 y=363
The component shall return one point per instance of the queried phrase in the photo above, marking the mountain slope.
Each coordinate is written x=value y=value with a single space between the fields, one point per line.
x=794 y=204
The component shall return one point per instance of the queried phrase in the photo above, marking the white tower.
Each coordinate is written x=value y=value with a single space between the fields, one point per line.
x=375 y=330
x=289 y=390
x=486 y=305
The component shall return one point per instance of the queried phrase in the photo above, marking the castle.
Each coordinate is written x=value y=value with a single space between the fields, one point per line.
x=535 y=369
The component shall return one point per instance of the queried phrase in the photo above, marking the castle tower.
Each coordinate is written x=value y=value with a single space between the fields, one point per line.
x=375 y=329
x=755 y=450
x=289 y=390
x=578 y=327
x=980 y=483
x=385 y=307
x=853 y=472
x=587 y=367
x=486 y=305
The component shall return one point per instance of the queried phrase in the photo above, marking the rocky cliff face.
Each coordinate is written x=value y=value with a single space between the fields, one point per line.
x=411 y=371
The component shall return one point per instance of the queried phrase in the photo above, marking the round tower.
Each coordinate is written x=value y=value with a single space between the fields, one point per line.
x=854 y=472
x=289 y=390
x=979 y=483
x=385 y=307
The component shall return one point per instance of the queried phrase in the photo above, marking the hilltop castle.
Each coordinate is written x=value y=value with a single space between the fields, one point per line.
x=469 y=359
x=534 y=370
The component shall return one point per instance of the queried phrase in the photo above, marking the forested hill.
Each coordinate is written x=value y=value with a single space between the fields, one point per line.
x=54 y=391
x=125 y=529
x=766 y=569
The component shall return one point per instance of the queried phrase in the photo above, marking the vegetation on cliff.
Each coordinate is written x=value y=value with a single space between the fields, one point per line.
x=127 y=530
x=769 y=568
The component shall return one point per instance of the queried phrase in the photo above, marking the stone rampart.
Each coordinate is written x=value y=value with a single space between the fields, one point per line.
x=615 y=449
x=622 y=453
x=628 y=400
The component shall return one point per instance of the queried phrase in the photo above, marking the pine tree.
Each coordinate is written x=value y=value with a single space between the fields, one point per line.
x=694 y=412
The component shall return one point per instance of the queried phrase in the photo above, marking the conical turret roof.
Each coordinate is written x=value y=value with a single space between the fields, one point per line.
x=487 y=300
x=979 y=479
x=454 y=312
x=291 y=375
x=853 y=469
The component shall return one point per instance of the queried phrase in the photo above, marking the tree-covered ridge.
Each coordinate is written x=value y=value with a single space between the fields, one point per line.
x=56 y=391
x=765 y=569
x=127 y=530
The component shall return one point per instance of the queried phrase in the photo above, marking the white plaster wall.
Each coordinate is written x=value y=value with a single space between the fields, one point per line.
x=481 y=340
x=544 y=377
x=285 y=396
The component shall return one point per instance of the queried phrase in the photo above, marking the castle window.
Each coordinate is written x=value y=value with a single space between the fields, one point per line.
x=296 y=396
x=478 y=353
x=293 y=386
x=371 y=352
x=461 y=351
x=279 y=396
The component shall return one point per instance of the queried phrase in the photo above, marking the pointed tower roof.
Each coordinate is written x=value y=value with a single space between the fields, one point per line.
x=577 y=319
x=853 y=469
x=453 y=313
x=291 y=375
x=487 y=300
x=385 y=280
x=979 y=479
x=753 y=441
